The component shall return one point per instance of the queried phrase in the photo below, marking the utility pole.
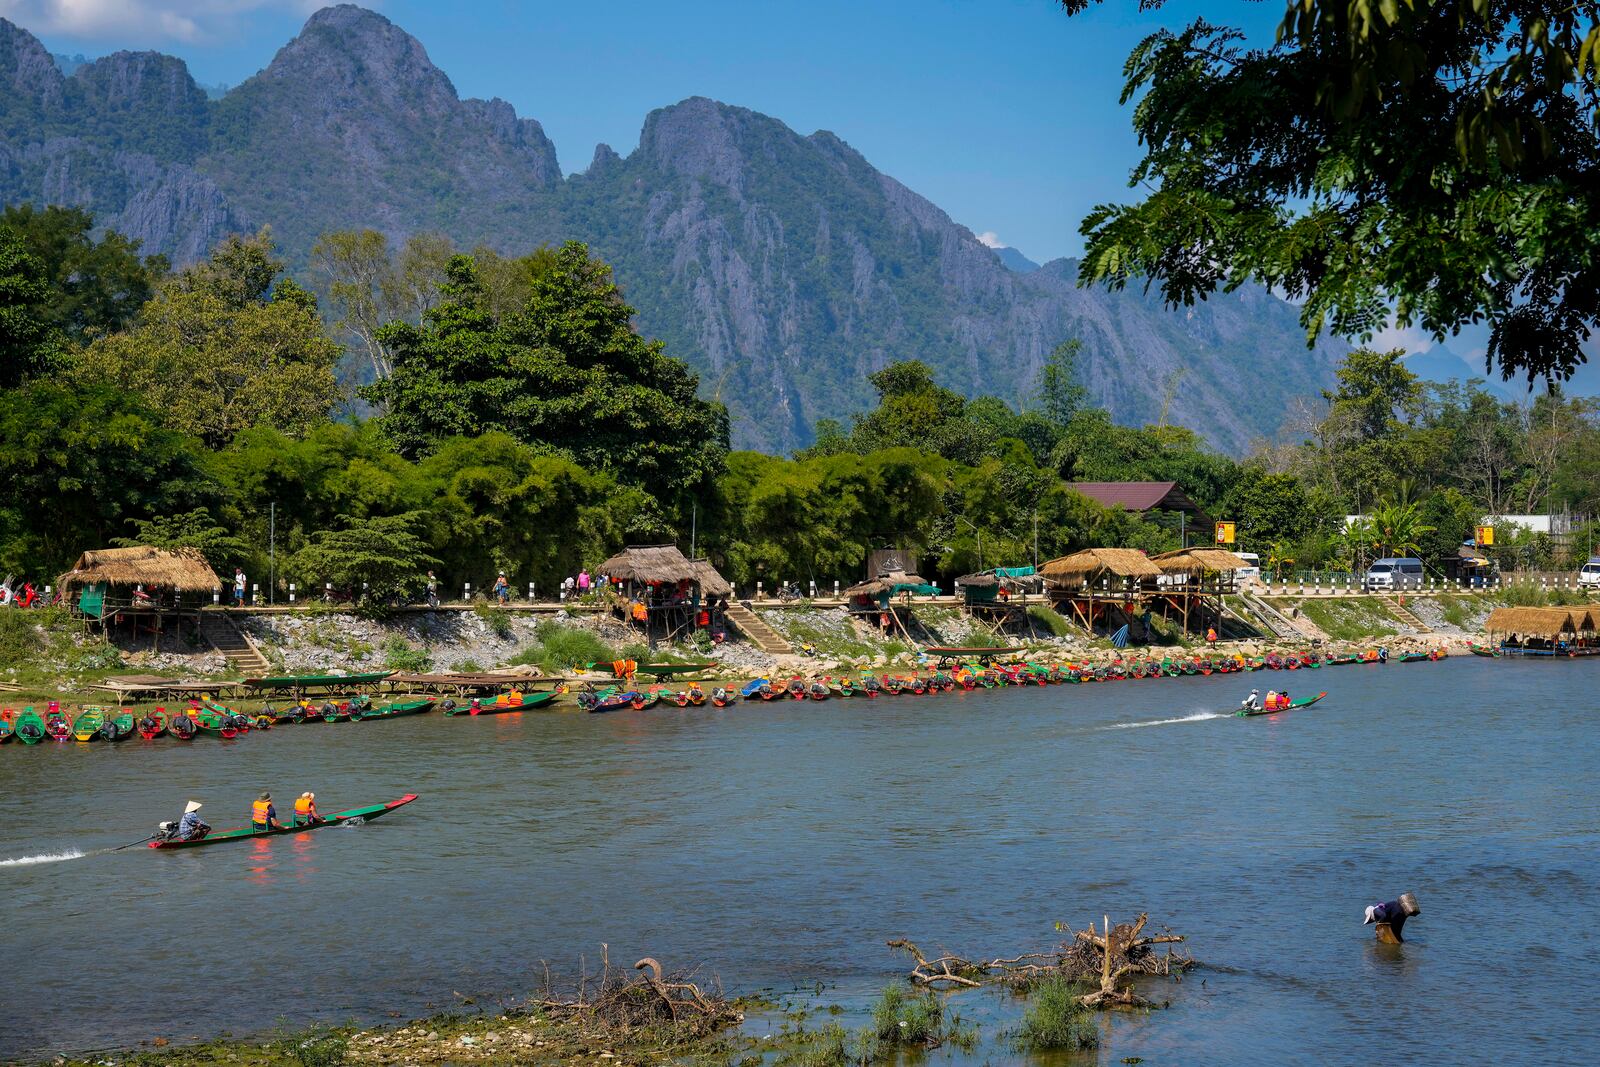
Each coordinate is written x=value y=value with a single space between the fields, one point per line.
x=694 y=526
x=1036 y=539
x=272 y=553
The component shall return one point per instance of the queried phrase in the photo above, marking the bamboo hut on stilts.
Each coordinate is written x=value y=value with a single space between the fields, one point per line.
x=1099 y=586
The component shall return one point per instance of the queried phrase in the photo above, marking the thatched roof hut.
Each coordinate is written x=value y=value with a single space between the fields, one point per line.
x=1534 y=622
x=1189 y=560
x=183 y=569
x=884 y=583
x=1092 y=564
x=711 y=582
x=650 y=563
x=1584 y=620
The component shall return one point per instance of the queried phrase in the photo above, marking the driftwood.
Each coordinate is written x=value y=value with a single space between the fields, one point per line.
x=1105 y=957
x=615 y=1001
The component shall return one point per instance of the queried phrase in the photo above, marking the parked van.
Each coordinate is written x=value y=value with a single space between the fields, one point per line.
x=1395 y=572
x=1589 y=573
x=1252 y=570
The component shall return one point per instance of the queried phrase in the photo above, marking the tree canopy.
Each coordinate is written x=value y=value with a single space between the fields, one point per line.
x=95 y=286
x=1436 y=159
x=567 y=371
x=224 y=346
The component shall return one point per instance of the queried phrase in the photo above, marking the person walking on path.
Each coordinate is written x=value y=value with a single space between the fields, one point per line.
x=502 y=589
x=583 y=582
x=433 y=591
x=238 y=587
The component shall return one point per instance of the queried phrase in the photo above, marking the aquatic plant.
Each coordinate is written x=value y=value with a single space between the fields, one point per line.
x=916 y=1018
x=1056 y=1018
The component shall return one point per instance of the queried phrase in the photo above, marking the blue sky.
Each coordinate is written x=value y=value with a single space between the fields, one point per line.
x=1003 y=112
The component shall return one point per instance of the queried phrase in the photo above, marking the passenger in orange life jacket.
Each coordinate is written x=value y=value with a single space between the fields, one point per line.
x=263 y=816
x=305 y=810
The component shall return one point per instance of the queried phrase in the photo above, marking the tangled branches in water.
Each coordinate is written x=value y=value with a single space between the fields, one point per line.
x=619 y=1002
x=1104 y=958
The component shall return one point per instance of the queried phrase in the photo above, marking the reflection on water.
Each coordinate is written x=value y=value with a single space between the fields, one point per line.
x=783 y=843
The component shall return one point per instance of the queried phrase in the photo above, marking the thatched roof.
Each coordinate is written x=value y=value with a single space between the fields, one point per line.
x=649 y=563
x=183 y=569
x=1584 y=620
x=1186 y=560
x=884 y=583
x=1533 y=622
x=711 y=582
x=981 y=580
x=1093 y=563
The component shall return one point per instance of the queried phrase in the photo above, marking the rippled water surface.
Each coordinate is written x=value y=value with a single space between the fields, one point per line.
x=783 y=843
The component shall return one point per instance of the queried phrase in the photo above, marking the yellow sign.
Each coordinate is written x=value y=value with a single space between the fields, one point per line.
x=1484 y=535
x=1225 y=533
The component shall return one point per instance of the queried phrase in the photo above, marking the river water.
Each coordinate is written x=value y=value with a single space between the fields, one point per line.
x=782 y=844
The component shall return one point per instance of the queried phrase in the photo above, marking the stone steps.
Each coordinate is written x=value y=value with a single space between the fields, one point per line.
x=760 y=634
x=224 y=635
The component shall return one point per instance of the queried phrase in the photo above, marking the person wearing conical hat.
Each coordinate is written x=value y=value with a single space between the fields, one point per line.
x=190 y=827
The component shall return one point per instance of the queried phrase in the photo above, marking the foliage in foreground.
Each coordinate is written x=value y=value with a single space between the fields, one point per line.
x=1056 y=1018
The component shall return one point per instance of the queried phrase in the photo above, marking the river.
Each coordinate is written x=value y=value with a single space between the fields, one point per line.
x=781 y=844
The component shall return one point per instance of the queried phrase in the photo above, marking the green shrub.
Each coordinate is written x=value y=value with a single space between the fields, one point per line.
x=828 y=1047
x=1050 y=619
x=20 y=638
x=561 y=648
x=498 y=620
x=916 y=1018
x=316 y=1048
x=466 y=666
x=398 y=655
x=95 y=658
x=1056 y=1019
x=1534 y=595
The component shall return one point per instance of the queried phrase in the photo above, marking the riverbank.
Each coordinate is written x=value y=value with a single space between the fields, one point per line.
x=47 y=656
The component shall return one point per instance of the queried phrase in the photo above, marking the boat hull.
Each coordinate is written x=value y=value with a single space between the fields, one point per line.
x=366 y=814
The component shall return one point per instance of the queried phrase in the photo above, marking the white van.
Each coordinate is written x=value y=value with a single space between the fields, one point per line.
x=1589 y=573
x=1252 y=569
x=1395 y=572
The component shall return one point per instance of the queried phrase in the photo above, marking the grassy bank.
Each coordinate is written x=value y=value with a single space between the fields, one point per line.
x=1351 y=618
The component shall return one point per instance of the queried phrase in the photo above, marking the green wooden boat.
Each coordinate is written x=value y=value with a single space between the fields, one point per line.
x=392 y=710
x=86 y=727
x=118 y=727
x=479 y=706
x=30 y=727
x=245 y=833
x=1306 y=702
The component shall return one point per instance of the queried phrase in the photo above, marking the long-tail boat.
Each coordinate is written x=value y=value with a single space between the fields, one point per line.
x=243 y=833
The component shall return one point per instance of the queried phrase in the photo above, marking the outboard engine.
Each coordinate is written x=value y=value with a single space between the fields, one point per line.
x=108 y=731
x=448 y=706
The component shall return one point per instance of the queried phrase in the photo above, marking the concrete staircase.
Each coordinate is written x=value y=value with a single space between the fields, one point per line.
x=224 y=635
x=760 y=634
x=1405 y=615
x=1271 y=619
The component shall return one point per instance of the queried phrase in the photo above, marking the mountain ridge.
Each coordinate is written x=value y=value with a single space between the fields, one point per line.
x=783 y=266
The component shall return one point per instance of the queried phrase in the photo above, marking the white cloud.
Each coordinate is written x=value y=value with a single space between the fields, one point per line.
x=992 y=239
x=1411 y=338
x=142 y=21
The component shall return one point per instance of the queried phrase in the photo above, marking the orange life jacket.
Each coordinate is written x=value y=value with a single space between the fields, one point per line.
x=303 y=805
x=258 y=811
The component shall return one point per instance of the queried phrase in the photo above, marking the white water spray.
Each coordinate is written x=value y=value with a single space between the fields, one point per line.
x=46 y=857
x=1196 y=717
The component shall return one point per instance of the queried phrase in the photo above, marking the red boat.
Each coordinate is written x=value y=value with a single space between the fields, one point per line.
x=152 y=725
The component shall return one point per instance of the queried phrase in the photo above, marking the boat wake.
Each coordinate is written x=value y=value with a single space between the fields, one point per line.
x=1196 y=717
x=46 y=857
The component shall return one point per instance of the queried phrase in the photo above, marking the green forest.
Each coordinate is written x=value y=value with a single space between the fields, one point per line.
x=513 y=418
